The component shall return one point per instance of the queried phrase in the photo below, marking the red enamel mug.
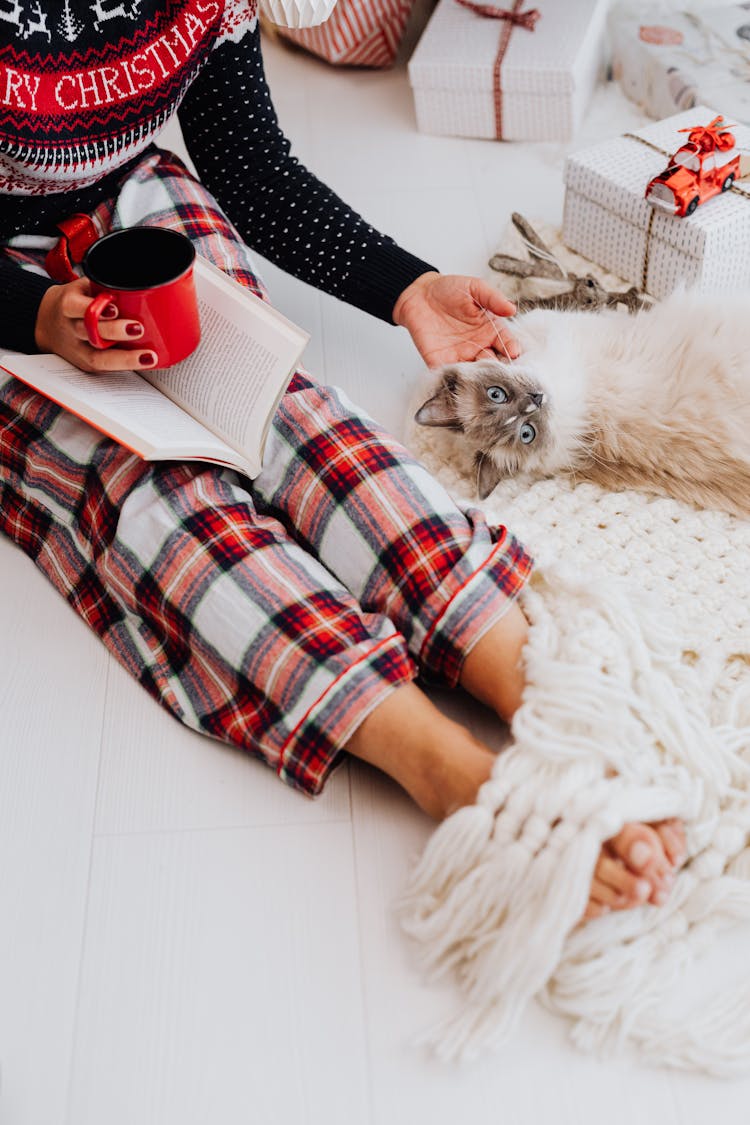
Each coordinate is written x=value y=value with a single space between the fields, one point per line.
x=147 y=274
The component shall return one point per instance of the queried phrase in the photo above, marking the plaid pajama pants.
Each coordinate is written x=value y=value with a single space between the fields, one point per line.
x=273 y=614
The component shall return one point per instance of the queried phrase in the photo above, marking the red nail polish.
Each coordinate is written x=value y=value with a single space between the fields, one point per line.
x=147 y=359
x=109 y=312
x=134 y=329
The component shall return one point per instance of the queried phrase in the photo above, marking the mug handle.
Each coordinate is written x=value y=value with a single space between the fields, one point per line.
x=91 y=319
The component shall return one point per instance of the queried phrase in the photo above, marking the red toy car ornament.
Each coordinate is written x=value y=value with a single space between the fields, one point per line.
x=707 y=164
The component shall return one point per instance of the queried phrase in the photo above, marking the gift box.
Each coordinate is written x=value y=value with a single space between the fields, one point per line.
x=608 y=219
x=515 y=78
x=357 y=32
x=671 y=62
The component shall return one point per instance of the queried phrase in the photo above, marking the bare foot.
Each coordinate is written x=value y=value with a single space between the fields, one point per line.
x=636 y=866
x=442 y=765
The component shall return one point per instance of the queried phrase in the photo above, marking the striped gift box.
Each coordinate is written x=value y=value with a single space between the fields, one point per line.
x=608 y=220
x=358 y=33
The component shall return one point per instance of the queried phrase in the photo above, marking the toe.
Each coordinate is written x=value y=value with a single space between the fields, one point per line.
x=594 y=910
x=625 y=888
x=672 y=835
x=641 y=850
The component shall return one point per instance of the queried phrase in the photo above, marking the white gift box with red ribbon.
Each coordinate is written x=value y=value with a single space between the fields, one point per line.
x=608 y=219
x=497 y=71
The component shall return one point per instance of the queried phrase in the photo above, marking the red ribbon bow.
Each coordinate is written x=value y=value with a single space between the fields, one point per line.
x=78 y=233
x=519 y=19
x=513 y=17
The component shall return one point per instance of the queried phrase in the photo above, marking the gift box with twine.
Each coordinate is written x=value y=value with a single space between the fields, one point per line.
x=607 y=218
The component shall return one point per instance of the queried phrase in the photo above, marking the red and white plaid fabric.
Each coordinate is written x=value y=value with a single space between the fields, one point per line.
x=273 y=615
x=358 y=33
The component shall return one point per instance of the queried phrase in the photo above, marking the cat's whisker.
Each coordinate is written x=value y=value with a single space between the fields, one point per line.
x=591 y=456
x=495 y=329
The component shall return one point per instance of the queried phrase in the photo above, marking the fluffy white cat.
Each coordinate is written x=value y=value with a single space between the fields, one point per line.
x=658 y=401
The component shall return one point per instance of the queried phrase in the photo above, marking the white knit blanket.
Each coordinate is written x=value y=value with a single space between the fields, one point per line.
x=637 y=708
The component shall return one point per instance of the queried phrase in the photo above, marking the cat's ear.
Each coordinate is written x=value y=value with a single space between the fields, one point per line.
x=440 y=410
x=488 y=474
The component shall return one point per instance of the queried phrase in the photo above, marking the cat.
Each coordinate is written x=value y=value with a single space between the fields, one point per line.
x=659 y=401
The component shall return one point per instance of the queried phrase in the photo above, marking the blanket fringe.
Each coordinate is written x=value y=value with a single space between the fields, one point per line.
x=613 y=728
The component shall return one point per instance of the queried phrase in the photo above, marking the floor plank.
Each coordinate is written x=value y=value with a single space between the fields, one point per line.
x=222 y=981
x=52 y=693
x=157 y=775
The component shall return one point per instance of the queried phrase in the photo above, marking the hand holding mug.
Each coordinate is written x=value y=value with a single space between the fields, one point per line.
x=144 y=311
x=60 y=328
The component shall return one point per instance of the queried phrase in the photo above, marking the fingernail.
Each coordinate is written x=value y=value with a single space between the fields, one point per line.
x=109 y=312
x=643 y=888
x=147 y=359
x=639 y=854
x=134 y=329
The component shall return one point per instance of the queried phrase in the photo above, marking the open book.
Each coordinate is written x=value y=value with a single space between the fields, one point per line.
x=215 y=406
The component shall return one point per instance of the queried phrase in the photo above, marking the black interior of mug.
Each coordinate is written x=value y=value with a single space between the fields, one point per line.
x=139 y=258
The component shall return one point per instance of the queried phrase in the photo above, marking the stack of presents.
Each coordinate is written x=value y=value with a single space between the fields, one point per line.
x=659 y=206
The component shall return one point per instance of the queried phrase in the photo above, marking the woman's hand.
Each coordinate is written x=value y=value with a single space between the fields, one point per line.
x=60 y=329
x=452 y=319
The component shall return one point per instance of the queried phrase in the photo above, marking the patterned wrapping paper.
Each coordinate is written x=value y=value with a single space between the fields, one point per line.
x=546 y=76
x=608 y=220
x=357 y=33
x=670 y=62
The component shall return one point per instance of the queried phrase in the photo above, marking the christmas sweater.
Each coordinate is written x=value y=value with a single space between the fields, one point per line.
x=86 y=86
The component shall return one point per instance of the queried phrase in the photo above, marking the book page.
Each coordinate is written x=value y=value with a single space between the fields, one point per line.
x=216 y=405
x=234 y=379
x=123 y=406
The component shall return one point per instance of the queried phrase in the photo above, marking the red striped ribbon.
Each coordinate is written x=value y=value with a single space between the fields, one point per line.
x=513 y=17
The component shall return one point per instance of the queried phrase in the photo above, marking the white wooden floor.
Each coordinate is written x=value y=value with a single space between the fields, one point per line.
x=182 y=939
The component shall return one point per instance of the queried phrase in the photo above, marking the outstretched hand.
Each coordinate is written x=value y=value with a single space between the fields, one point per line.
x=453 y=319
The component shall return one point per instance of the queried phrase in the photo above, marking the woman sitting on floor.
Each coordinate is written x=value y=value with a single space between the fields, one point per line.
x=290 y=615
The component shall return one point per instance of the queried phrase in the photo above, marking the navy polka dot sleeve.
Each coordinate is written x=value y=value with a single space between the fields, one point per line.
x=242 y=156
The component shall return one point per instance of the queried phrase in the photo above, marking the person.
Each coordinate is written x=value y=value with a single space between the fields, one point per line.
x=290 y=615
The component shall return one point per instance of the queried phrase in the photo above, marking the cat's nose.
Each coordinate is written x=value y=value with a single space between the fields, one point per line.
x=537 y=398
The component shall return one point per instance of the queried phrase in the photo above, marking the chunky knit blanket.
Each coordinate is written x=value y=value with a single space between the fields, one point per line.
x=637 y=708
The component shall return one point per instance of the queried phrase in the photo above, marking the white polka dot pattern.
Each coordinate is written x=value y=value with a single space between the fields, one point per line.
x=233 y=136
x=607 y=217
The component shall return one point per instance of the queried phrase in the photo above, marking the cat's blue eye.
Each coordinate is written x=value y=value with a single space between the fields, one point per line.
x=528 y=433
x=496 y=394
